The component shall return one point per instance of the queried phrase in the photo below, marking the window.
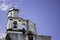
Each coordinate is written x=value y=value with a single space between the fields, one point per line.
x=23 y=27
x=19 y=20
x=15 y=26
x=10 y=19
x=23 y=30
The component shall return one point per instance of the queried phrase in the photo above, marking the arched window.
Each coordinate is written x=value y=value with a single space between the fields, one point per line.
x=23 y=26
x=15 y=26
x=23 y=29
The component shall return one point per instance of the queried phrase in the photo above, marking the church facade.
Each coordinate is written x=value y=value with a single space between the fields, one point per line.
x=21 y=29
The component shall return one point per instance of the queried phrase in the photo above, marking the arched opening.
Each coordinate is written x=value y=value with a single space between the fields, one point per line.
x=15 y=26
x=23 y=27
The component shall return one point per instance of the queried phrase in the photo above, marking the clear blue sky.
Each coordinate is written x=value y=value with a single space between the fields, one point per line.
x=44 y=13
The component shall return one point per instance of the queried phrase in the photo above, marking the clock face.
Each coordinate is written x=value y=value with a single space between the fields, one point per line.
x=15 y=24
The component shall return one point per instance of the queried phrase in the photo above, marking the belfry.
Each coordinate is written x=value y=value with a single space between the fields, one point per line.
x=21 y=29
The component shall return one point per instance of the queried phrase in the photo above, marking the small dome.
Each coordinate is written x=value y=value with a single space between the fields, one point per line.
x=13 y=9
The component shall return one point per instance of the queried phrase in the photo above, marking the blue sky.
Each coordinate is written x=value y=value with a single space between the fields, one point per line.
x=44 y=13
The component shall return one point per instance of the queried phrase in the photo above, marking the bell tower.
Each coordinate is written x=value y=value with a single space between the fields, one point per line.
x=19 y=28
x=14 y=22
x=13 y=12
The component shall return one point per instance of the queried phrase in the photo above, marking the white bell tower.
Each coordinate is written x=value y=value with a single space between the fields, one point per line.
x=13 y=12
x=14 y=22
x=19 y=28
